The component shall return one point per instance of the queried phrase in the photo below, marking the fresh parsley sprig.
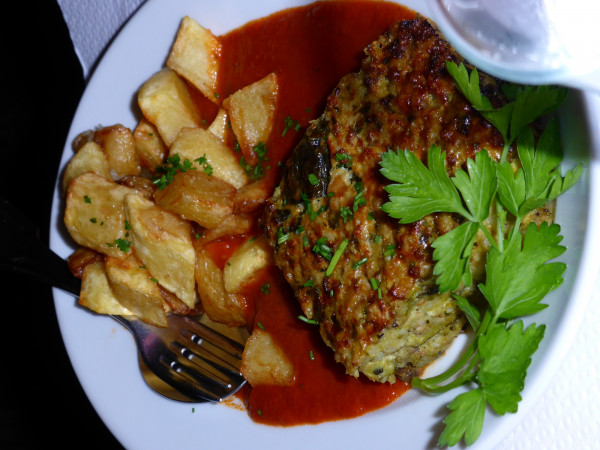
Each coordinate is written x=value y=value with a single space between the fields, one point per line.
x=518 y=273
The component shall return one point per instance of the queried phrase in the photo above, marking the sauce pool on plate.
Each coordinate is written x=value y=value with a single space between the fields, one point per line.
x=310 y=48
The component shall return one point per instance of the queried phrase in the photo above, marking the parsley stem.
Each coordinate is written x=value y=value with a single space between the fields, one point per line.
x=432 y=384
x=489 y=235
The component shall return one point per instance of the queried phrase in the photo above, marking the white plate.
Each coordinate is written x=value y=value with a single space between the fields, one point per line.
x=103 y=353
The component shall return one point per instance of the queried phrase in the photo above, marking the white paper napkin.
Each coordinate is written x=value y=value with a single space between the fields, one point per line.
x=93 y=24
x=566 y=417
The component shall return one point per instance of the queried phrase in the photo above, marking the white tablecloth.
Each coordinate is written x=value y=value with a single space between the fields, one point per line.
x=566 y=417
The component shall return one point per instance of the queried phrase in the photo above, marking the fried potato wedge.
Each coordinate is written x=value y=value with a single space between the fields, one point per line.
x=195 y=143
x=163 y=243
x=195 y=56
x=134 y=288
x=264 y=362
x=235 y=225
x=95 y=214
x=166 y=102
x=196 y=196
x=221 y=127
x=251 y=197
x=89 y=158
x=119 y=147
x=245 y=264
x=150 y=148
x=252 y=113
x=96 y=293
x=219 y=305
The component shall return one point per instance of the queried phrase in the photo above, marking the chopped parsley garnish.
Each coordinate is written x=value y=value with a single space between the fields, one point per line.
x=87 y=199
x=257 y=171
x=322 y=249
x=203 y=162
x=336 y=257
x=309 y=321
x=343 y=160
x=123 y=244
x=165 y=173
x=93 y=220
x=359 y=263
x=519 y=270
x=281 y=236
x=346 y=213
x=266 y=288
x=290 y=124
x=390 y=250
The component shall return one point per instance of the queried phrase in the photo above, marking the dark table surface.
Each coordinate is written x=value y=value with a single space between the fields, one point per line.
x=41 y=400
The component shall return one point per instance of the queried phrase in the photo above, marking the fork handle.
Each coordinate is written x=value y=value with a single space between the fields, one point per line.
x=22 y=251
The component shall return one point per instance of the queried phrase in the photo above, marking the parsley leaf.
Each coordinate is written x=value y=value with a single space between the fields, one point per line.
x=468 y=412
x=506 y=355
x=518 y=278
x=453 y=255
x=421 y=190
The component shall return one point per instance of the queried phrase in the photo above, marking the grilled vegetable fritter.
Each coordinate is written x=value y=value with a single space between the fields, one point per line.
x=379 y=310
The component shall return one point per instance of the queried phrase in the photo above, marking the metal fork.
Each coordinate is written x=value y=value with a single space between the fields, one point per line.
x=186 y=361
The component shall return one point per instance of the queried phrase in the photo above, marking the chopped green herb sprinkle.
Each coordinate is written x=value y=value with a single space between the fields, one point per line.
x=359 y=263
x=343 y=160
x=309 y=283
x=321 y=248
x=390 y=250
x=336 y=257
x=311 y=355
x=123 y=245
x=93 y=220
x=312 y=179
x=290 y=124
x=374 y=283
x=87 y=199
x=309 y=321
x=203 y=161
x=266 y=288
x=281 y=236
x=260 y=325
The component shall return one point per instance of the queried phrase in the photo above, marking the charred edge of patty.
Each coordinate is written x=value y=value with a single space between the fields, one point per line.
x=311 y=156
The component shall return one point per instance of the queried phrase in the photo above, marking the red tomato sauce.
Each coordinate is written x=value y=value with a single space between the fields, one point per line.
x=309 y=48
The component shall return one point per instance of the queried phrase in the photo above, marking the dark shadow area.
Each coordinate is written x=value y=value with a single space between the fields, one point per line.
x=41 y=400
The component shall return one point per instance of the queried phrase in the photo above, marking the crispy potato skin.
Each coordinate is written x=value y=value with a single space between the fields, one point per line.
x=402 y=98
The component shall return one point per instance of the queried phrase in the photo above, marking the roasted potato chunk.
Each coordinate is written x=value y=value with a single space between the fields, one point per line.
x=134 y=288
x=196 y=196
x=166 y=102
x=236 y=225
x=195 y=143
x=245 y=264
x=220 y=305
x=163 y=243
x=95 y=214
x=220 y=126
x=252 y=113
x=151 y=149
x=264 y=362
x=89 y=158
x=195 y=56
x=251 y=197
x=119 y=147
x=96 y=293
